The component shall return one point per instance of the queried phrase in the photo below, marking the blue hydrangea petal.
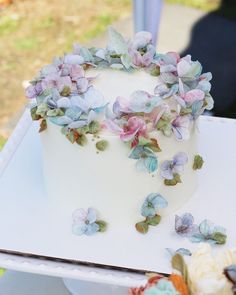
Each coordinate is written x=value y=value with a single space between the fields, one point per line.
x=147 y=211
x=151 y=164
x=61 y=120
x=91 y=229
x=79 y=228
x=206 y=228
x=159 y=202
x=92 y=215
x=74 y=113
x=136 y=152
x=140 y=165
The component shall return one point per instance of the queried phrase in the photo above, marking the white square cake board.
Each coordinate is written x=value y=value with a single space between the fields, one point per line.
x=29 y=226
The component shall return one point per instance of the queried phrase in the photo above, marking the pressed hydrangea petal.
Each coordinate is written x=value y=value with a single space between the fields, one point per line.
x=64 y=102
x=180 y=127
x=79 y=215
x=166 y=170
x=79 y=102
x=77 y=124
x=140 y=165
x=73 y=59
x=151 y=164
x=113 y=127
x=61 y=121
x=116 y=42
x=91 y=229
x=194 y=95
x=180 y=159
x=94 y=98
x=204 y=85
x=74 y=113
x=82 y=84
x=141 y=39
x=121 y=105
x=92 y=215
x=210 y=102
x=158 y=201
x=136 y=152
x=30 y=91
x=79 y=228
x=76 y=72
x=183 y=67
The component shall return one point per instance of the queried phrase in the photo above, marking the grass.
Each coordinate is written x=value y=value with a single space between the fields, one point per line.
x=33 y=32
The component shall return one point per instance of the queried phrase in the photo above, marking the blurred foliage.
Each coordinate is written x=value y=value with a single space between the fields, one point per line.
x=2 y=141
x=33 y=32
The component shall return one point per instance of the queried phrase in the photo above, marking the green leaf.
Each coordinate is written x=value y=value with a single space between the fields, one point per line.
x=155 y=71
x=43 y=125
x=154 y=146
x=198 y=162
x=179 y=264
x=102 y=225
x=220 y=238
x=126 y=60
x=42 y=109
x=185 y=111
x=81 y=140
x=142 y=227
x=72 y=135
x=155 y=220
x=164 y=125
x=66 y=91
x=94 y=127
x=102 y=145
x=117 y=42
x=174 y=181
x=34 y=114
x=55 y=112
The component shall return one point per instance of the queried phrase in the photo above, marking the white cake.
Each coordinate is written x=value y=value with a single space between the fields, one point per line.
x=79 y=177
x=140 y=160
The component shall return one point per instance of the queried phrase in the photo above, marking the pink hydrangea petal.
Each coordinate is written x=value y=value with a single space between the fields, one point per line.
x=194 y=95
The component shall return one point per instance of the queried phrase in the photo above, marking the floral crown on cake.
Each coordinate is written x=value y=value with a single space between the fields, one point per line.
x=66 y=96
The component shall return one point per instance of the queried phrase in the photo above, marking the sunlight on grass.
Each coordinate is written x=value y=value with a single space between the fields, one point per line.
x=207 y=5
x=2 y=142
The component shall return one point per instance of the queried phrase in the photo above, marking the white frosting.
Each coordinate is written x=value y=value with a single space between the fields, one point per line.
x=79 y=177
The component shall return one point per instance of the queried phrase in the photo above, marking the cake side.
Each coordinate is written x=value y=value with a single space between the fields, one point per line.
x=78 y=177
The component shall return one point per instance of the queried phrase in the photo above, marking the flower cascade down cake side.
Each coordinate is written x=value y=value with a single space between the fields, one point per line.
x=118 y=131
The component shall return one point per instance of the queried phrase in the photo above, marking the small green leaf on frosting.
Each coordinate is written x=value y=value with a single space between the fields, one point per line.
x=71 y=135
x=154 y=146
x=142 y=227
x=81 y=140
x=66 y=91
x=198 y=162
x=102 y=225
x=219 y=238
x=94 y=127
x=174 y=181
x=102 y=145
x=43 y=125
x=179 y=264
x=155 y=71
x=55 y=112
x=34 y=114
x=154 y=220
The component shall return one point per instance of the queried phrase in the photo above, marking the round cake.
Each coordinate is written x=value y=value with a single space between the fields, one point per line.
x=118 y=130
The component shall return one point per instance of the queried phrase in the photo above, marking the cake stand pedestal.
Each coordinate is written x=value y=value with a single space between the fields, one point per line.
x=36 y=239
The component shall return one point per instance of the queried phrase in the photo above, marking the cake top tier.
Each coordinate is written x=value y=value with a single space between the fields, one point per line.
x=127 y=88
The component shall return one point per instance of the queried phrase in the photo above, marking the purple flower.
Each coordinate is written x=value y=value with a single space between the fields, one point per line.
x=84 y=222
x=184 y=225
x=176 y=165
x=180 y=127
x=33 y=90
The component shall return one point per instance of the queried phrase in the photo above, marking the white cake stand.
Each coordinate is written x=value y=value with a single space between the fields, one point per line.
x=34 y=238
